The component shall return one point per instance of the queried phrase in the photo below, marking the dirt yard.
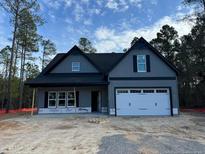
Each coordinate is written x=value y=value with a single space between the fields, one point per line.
x=101 y=134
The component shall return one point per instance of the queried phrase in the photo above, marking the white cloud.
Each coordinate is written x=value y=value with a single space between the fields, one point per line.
x=87 y=22
x=68 y=3
x=117 y=41
x=104 y=33
x=112 y=4
x=78 y=12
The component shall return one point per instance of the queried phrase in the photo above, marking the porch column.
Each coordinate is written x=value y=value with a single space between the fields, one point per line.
x=33 y=101
x=74 y=96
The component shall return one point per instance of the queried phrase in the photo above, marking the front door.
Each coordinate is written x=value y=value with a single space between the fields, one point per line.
x=94 y=100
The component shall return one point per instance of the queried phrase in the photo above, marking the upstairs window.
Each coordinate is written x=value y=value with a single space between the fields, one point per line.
x=141 y=63
x=75 y=66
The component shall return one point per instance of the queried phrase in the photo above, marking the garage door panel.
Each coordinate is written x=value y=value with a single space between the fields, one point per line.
x=143 y=102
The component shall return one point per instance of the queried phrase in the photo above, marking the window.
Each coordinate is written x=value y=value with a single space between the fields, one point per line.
x=75 y=66
x=141 y=63
x=61 y=99
x=161 y=91
x=148 y=91
x=135 y=91
x=71 y=98
x=122 y=91
x=52 y=99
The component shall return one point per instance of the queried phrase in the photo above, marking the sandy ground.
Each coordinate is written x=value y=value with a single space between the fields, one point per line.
x=102 y=134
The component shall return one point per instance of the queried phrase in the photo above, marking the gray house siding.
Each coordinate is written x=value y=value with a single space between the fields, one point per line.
x=84 y=95
x=157 y=66
x=66 y=65
x=158 y=69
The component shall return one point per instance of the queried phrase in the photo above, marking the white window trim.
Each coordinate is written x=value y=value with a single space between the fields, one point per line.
x=70 y=99
x=141 y=63
x=52 y=99
x=74 y=67
x=62 y=99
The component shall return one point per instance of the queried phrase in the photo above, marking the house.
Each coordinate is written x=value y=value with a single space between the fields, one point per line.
x=138 y=82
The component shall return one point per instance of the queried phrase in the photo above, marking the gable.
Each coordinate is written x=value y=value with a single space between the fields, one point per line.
x=65 y=66
x=158 y=67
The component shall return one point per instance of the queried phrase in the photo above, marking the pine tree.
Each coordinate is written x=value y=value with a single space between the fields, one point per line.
x=49 y=50
x=28 y=40
x=14 y=7
x=165 y=42
x=86 y=46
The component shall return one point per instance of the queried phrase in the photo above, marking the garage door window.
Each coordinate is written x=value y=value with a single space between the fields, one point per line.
x=122 y=91
x=148 y=91
x=135 y=91
x=161 y=91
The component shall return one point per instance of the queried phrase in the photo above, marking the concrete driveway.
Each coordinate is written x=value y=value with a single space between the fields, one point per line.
x=103 y=134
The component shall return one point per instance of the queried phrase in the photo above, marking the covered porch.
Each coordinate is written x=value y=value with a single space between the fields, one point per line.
x=72 y=99
x=71 y=93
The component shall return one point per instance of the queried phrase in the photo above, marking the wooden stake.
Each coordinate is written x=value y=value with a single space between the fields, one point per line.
x=33 y=101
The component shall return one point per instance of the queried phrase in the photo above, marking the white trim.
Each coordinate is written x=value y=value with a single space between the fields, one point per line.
x=175 y=111
x=112 y=111
x=145 y=63
x=104 y=109
x=65 y=110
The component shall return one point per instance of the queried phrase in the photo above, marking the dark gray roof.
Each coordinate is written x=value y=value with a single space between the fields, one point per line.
x=104 y=61
x=68 y=79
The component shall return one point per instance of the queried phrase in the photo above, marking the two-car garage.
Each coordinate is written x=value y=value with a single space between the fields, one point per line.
x=143 y=101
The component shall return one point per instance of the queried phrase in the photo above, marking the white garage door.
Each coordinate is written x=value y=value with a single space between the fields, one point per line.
x=143 y=101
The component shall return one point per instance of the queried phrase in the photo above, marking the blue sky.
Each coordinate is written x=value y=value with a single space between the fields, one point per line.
x=109 y=24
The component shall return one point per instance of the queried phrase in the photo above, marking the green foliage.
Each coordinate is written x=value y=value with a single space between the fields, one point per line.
x=32 y=71
x=199 y=2
x=135 y=39
x=165 y=42
x=86 y=46
x=49 y=50
x=27 y=32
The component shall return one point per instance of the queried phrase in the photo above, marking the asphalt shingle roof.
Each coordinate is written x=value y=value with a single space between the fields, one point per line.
x=104 y=61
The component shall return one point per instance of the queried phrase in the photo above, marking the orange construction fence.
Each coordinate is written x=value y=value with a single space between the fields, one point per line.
x=19 y=110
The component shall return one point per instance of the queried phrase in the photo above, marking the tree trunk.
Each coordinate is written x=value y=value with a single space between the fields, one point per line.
x=203 y=1
x=15 y=60
x=5 y=82
x=9 y=89
x=21 y=78
x=43 y=59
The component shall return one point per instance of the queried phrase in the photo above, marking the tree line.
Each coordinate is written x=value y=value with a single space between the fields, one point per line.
x=17 y=61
